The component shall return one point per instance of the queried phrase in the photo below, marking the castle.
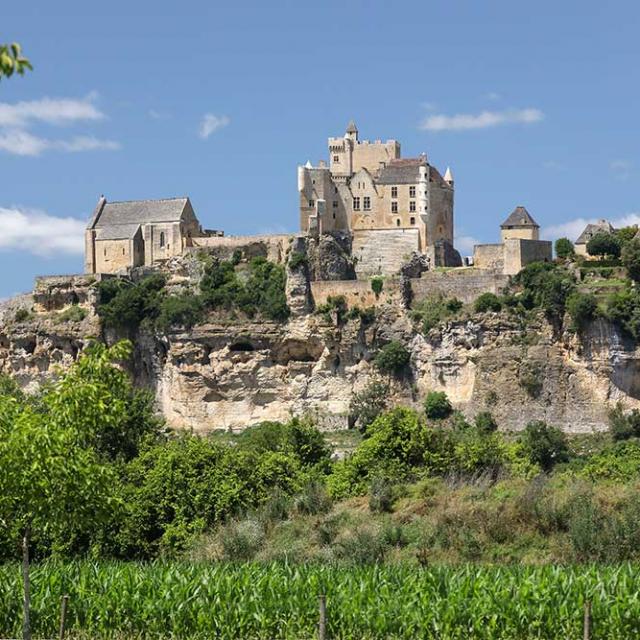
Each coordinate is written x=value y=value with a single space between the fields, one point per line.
x=388 y=207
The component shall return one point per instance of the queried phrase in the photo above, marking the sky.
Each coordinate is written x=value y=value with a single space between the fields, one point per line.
x=532 y=104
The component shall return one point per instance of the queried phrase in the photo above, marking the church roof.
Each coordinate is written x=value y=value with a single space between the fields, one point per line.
x=115 y=220
x=407 y=171
x=519 y=217
x=351 y=127
x=591 y=229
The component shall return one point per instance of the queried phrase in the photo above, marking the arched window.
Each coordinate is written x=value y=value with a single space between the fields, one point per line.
x=162 y=238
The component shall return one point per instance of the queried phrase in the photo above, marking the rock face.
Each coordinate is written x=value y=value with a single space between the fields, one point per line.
x=230 y=373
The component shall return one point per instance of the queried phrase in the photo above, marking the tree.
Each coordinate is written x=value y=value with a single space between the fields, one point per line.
x=12 y=61
x=604 y=244
x=368 y=404
x=564 y=248
x=545 y=445
x=631 y=258
x=392 y=358
x=377 y=283
x=437 y=405
x=582 y=308
x=487 y=302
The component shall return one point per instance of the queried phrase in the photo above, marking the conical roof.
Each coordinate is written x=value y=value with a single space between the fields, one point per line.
x=448 y=175
x=351 y=127
x=519 y=217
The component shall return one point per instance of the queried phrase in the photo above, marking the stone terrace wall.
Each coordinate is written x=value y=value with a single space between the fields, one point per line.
x=271 y=247
x=488 y=256
x=464 y=284
x=356 y=292
x=382 y=251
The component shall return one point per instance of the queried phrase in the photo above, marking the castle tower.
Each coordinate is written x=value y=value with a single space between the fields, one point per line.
x=520 y=225
x=352 y=131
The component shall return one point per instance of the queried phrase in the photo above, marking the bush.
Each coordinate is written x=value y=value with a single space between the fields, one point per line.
x=296 y=260
x=337 y=304
x=623 y=309
x=74 y=313
x=377 y=283
x=487 y=302
x=582 y=309
x=437 y=405
x=242 y=540
x=619 y=462
x=184 y=310
x=313 y=498
x=393 y=358
x=564 y=248
x=485 y=423
x=433 y=310
x=381 y=494
x=544 y=445
x=631 y=259
x=236 y=257
x=22 y=315
x=368 y=404
x=604 y=244
x=623 y=426
x=362 y=547
x=530 y=379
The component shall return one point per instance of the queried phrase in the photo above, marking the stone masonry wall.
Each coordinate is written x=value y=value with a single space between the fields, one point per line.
x=356 y=292
x=488 y=256
x=383 y=251
x=464 y=284
x=272 y=247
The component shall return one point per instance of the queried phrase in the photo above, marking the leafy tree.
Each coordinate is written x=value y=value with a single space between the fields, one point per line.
x=368 y=404
x=485 y=422
x=545 y=446
x=12 y=61
x=184 y=310
x=631 y=258
x=564 y=248
x=487 y=302
x=582 y=308
x=393 y=358
x=624 y=426
x=623 y=309
x=626 y=234
x=437 y=405
x=604 y=244
x=377 y=283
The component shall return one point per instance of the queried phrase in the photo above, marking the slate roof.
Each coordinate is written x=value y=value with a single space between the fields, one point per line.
x=351 y=127
x=117 y=232
x=591 y=229
x=519 y=217
x=141 y=211
x=407 y=171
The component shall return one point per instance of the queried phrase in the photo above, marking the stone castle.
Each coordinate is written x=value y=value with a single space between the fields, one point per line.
x=388 y=207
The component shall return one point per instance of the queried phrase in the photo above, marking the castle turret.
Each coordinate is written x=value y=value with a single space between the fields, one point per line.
x=448 y=176
x=352 y=131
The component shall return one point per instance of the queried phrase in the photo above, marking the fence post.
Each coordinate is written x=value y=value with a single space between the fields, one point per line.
x=322 y=625
x=63 y=616
x=586 y=625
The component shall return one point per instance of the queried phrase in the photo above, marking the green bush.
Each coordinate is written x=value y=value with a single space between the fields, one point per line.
x=437 y=405
x=381 y=494
x=631 y=258
x=362 y=547
x=337 y=304
x=623 y=309
x=619 y=462
x=236 y=257
x=544 y=445
x=393 y=358
x=297 y=260
x=624 y=426
x=22 y=315
x=604 y=244
x=74 y=313
x=377 y=283
x=242 y=540
x=487 y=302
x=184 y=310
x=485 y=423
x=313 y=498
x=433 y=310
x=530 y=379
x=582 y=308
x=368 y=404
x=564 y=248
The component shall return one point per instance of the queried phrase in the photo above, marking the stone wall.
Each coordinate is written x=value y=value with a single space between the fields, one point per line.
x=464 y=284
x=518 y=253
x=356 y=292
x=272 y=247
x=383 y=251
x=488 y=256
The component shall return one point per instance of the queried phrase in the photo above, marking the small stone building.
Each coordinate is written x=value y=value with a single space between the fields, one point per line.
x=521 y=245
x=601 y=226
x=122 y=235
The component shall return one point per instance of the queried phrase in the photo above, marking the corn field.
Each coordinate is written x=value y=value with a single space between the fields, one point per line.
x=254 y=601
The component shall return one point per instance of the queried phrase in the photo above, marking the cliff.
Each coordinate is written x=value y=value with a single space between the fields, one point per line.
x=232 y=371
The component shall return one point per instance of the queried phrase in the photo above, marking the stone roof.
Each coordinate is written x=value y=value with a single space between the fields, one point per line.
x=118 y=220
x=591 y=229
x=407 y=171
x=519 y=217
x=351 y=127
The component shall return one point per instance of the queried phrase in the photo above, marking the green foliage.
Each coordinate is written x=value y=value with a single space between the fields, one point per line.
x=393 y=358
x=564 y=248
x=604 y=244
x=263 y=290
x=487 y=302
x=623 y=309
x=367 y=316
x=12 y=61
x=368 y=404
x=437 y=405
x=582 y=308
x=433 y=310
x=313 y=498
x=22 y=315
x=377 y=283
x=334 y=304
x=618 y=462
x=624 y=426
x=297 y=260
x=485 y=423
x=236 y=257
x=185 y=310
x=74 y=313
x=545 y=446
x=530 y=379
x=241 y=540
x=381 y=494
x=631 y=258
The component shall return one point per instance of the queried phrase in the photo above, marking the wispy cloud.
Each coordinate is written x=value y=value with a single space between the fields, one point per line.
x=158 y=115
x=493 y=96
x=483 y=120
x=39 y=233
x=23 y=143
x=212 y=123
x=465 y=244
x=573 y=228
x=56 y=111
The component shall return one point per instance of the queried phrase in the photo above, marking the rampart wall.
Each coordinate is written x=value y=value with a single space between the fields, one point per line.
x=271 y=247
x=383 y=251
x=356 y=292
x=464 y=284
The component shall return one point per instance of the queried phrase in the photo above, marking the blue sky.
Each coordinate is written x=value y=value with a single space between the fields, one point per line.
x=530 y=103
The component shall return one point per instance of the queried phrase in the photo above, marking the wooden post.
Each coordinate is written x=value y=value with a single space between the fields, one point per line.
x=322 y=625
x=586 y=625
x=63 y=615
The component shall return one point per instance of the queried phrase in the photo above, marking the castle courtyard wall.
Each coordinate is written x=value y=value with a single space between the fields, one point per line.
x=383 y=251
x=488 y=256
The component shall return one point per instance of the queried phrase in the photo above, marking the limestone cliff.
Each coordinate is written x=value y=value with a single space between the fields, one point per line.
x=231 y=372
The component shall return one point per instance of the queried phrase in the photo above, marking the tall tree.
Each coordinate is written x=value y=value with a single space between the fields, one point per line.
x=12 y=61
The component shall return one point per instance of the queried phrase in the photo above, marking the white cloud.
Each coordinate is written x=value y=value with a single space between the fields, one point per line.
x=56 y=111
x=212 y=123
x=158 y=115
x=465 y=244
x=483 y=120
x=493 y=96
x=40 y=233
x=22 y=143
x=573 y=228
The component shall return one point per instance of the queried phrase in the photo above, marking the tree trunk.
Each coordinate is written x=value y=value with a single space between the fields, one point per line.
x=26 y=621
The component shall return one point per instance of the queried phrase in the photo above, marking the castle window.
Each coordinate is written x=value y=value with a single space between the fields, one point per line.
x=335 y=204
x=412 y=205
x=367 y=203
x=356 y=204
x=334 y=215
x=394 y=192
x=413 y=220
x=394 y=207
x=398 y=222
x=336 y=159
x=312 y=203
x=335 y=189
x=122 y=250
x=162 y=239
x=412 y=192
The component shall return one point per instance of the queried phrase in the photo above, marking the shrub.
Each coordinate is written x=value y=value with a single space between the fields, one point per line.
x=435 y=309
x=362 y=547
x=623 y=426
x=242 y=540
x=564 y=248
x=22 y=315
x=544 y=445
x=485 y=423
x=393 y=358
x=530 y=379
x=368 y=404
x=296 y=260
x=381 y=494
x=619 y=462
x=582 y=309
x=313 y=498
x=184 y=310
x=604 y=244
x=487 y=302
x=631 y=259
x=377 y=283
x=437 y=405
x=74 y=313
x=623 y=309
x=337 y=304
x=236 y=257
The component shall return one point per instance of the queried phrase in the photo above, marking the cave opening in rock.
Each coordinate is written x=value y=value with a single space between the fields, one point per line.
x=241 y=346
